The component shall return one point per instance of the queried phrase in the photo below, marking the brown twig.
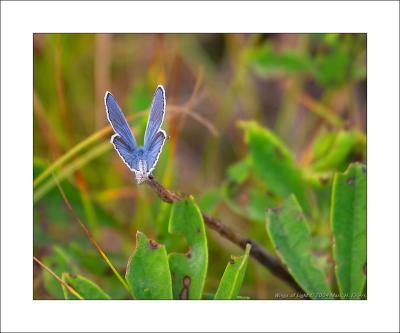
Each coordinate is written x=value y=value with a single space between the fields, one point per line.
x=266 y=259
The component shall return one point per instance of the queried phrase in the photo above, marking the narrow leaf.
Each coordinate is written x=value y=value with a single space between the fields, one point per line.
x=188 y=270
x=290 y=234
x=232 y=279
x=337 y=147
x=86 y=288
x=148 y=273
x=349 y=223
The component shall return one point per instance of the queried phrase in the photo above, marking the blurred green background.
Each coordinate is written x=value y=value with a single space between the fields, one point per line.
x=307 y=89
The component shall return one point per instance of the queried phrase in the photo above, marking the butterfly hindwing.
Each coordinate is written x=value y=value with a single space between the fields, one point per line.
x=156 y=117
x=155 y=148
x=125 y=152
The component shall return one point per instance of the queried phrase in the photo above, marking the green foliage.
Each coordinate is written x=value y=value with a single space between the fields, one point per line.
x=331 y=150
x=210 y=200
x=188 y=270
x=333 y=68
x=239 y=171
x=266 y=61
x=59 y=262
x=211 y=296
x=273 y=162
x=86 y=288
x=290 y=234
x=300 y=102
x=247 y=201
x=232 y=279
x=349 y=223
x=147 y=273
x=332 y=65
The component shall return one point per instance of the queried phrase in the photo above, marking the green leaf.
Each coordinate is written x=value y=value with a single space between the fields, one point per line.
x=322 y=144
x=337 y=153
x=211 y=296
x=188 y=270
x=59 y=261
x=273 y=162
x=290 y=235
x=148 y=273
x=239 y=171
x=333 y=69
x=232 y=279
x=86 y=288
x=349 y=223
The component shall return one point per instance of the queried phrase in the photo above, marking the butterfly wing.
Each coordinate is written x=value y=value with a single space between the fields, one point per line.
x=156 y=117
x=118 y=121
x=154 y=150
x=128 y=155
x=123 y=139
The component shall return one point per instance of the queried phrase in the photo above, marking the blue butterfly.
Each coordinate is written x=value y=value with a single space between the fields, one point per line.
x=139 y=159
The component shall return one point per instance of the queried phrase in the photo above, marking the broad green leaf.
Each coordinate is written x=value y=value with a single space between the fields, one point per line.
x=273 y=162
x=148 y=273
x=59 y=262
x=188 y=270
x=349 y=223
x=232 y=279
x=290 y=234
x=86 y=288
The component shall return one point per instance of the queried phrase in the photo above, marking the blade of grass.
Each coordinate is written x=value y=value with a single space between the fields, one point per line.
x=67 y=170
x=320 y=110
x=70 y=153
x=66 y=285
x=90 y=237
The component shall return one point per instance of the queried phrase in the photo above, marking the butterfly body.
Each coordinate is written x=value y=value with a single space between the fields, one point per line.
x=139 y=159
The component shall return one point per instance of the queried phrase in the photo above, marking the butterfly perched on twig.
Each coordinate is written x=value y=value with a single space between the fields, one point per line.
x=139 y=159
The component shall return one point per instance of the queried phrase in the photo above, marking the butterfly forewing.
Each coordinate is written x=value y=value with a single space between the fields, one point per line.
x=118 y=121
x=156 y=116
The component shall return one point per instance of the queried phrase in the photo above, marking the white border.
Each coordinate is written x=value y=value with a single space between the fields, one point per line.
x=378 y=19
